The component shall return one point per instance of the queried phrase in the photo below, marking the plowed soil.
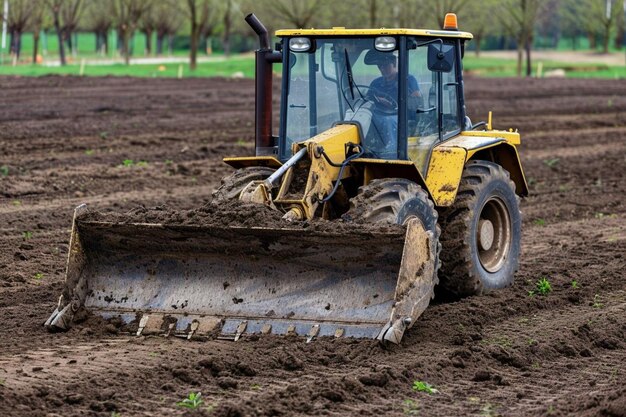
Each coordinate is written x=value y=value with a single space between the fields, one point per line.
x=117 y=144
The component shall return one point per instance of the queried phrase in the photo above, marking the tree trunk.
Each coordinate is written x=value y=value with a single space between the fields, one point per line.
x=193 y=46
x=170 y=43
x=478 y=38
x=68 y=41
x=57 y=27
x=520 y=53
x=148 y=33
x=35 y=45
x=373 y=13
x=606 y=39
x=159 y=43
x=529 y=68
x=18 y=44
x=126 y=48
x=98 y=41
x=105 y=39
x=12 y=42
x=592 y=41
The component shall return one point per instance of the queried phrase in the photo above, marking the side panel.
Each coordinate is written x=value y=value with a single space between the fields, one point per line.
x=444 y=174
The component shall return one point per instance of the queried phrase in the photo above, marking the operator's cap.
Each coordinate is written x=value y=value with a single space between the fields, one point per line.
x=374 y=57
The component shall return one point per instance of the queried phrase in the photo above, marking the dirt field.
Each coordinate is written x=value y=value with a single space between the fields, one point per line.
x=63 y=141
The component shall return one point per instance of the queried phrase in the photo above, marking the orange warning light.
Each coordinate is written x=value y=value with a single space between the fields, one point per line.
x=450 y=22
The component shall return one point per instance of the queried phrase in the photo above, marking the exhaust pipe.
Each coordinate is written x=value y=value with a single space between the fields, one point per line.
x=260 y=30
x=265 y=57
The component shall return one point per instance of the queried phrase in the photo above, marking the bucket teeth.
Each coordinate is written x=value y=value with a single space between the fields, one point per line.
x=241 y=329
x=194 y=327
x=291 y=330
x=142 y=324
x=266 y=329
x=315 y=330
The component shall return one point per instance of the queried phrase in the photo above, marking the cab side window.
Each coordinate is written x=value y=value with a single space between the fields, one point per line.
x=450 y=102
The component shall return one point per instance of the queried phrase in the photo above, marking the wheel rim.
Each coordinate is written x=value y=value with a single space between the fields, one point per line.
x=493 y=235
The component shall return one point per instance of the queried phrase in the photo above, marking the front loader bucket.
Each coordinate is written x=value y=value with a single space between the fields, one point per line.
x=191 y=280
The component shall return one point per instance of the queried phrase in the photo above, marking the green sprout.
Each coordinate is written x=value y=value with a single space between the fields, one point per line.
x=128 y=162
x=574 y=284
x=191 y=402
x=142 y=163
x=104 y=135
x=38 y=276
x=16 y=203
x=421 y=386
x=542 y=287
x=597 y=301
x=4 y=171
x=540 y=222
x=27 y=235
x=551 y=163
x=89 y=152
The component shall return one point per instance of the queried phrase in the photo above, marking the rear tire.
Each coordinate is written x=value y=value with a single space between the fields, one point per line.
x=481 y=232
x=233 y=184
x=395 y=201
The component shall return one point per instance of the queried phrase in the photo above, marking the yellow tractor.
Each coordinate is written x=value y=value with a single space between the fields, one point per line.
x=373 y=131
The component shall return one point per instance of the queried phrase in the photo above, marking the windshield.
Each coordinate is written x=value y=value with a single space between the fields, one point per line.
x=343 y=80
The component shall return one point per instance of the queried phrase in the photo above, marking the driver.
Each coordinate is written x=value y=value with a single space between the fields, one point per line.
x=384 y=92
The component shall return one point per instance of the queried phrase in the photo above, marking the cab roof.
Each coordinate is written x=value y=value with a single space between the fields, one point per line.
x=341 y=31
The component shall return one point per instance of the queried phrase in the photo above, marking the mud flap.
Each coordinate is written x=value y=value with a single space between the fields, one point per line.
x=195 y=279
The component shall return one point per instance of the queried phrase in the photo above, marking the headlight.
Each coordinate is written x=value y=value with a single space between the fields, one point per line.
x=299 y=44
x=385 y=43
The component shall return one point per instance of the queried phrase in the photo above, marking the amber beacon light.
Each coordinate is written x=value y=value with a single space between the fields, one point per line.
x=450 y=22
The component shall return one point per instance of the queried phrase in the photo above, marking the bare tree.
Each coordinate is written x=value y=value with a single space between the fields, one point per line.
x=55 y=7
x=167 y=21
x=572 y=24
x=477 y=18
x=17 y=21
x=126 y=15
x=200 y=14
x=147 y=26
x=299 y=13
x=605 y=14
x=518 y=18
x=70 y=14
x=35 y=24
x=441 y=7
x=621 y=29
x=99 y=20
x=227 y=21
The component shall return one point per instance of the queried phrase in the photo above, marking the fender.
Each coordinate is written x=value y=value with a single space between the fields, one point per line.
x=448 y=159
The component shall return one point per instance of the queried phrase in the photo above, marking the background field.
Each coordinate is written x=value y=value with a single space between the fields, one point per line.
x=64 y=141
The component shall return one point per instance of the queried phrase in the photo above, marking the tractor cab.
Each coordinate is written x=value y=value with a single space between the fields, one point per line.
x=402 y=88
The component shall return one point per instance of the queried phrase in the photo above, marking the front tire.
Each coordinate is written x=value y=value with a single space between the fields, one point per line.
x=481 y=232
x=396 y=201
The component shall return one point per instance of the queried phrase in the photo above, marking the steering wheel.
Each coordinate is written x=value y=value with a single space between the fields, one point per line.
x=383 y=103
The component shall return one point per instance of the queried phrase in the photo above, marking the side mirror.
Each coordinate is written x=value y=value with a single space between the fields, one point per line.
x=440 y=57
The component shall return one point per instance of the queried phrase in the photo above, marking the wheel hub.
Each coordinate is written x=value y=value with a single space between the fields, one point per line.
x=493 y=235
x=485 y=236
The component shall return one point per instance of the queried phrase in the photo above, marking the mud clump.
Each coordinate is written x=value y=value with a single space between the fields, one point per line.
x=232 y=214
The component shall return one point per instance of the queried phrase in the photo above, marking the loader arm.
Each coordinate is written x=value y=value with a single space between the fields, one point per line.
x=308 y=179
